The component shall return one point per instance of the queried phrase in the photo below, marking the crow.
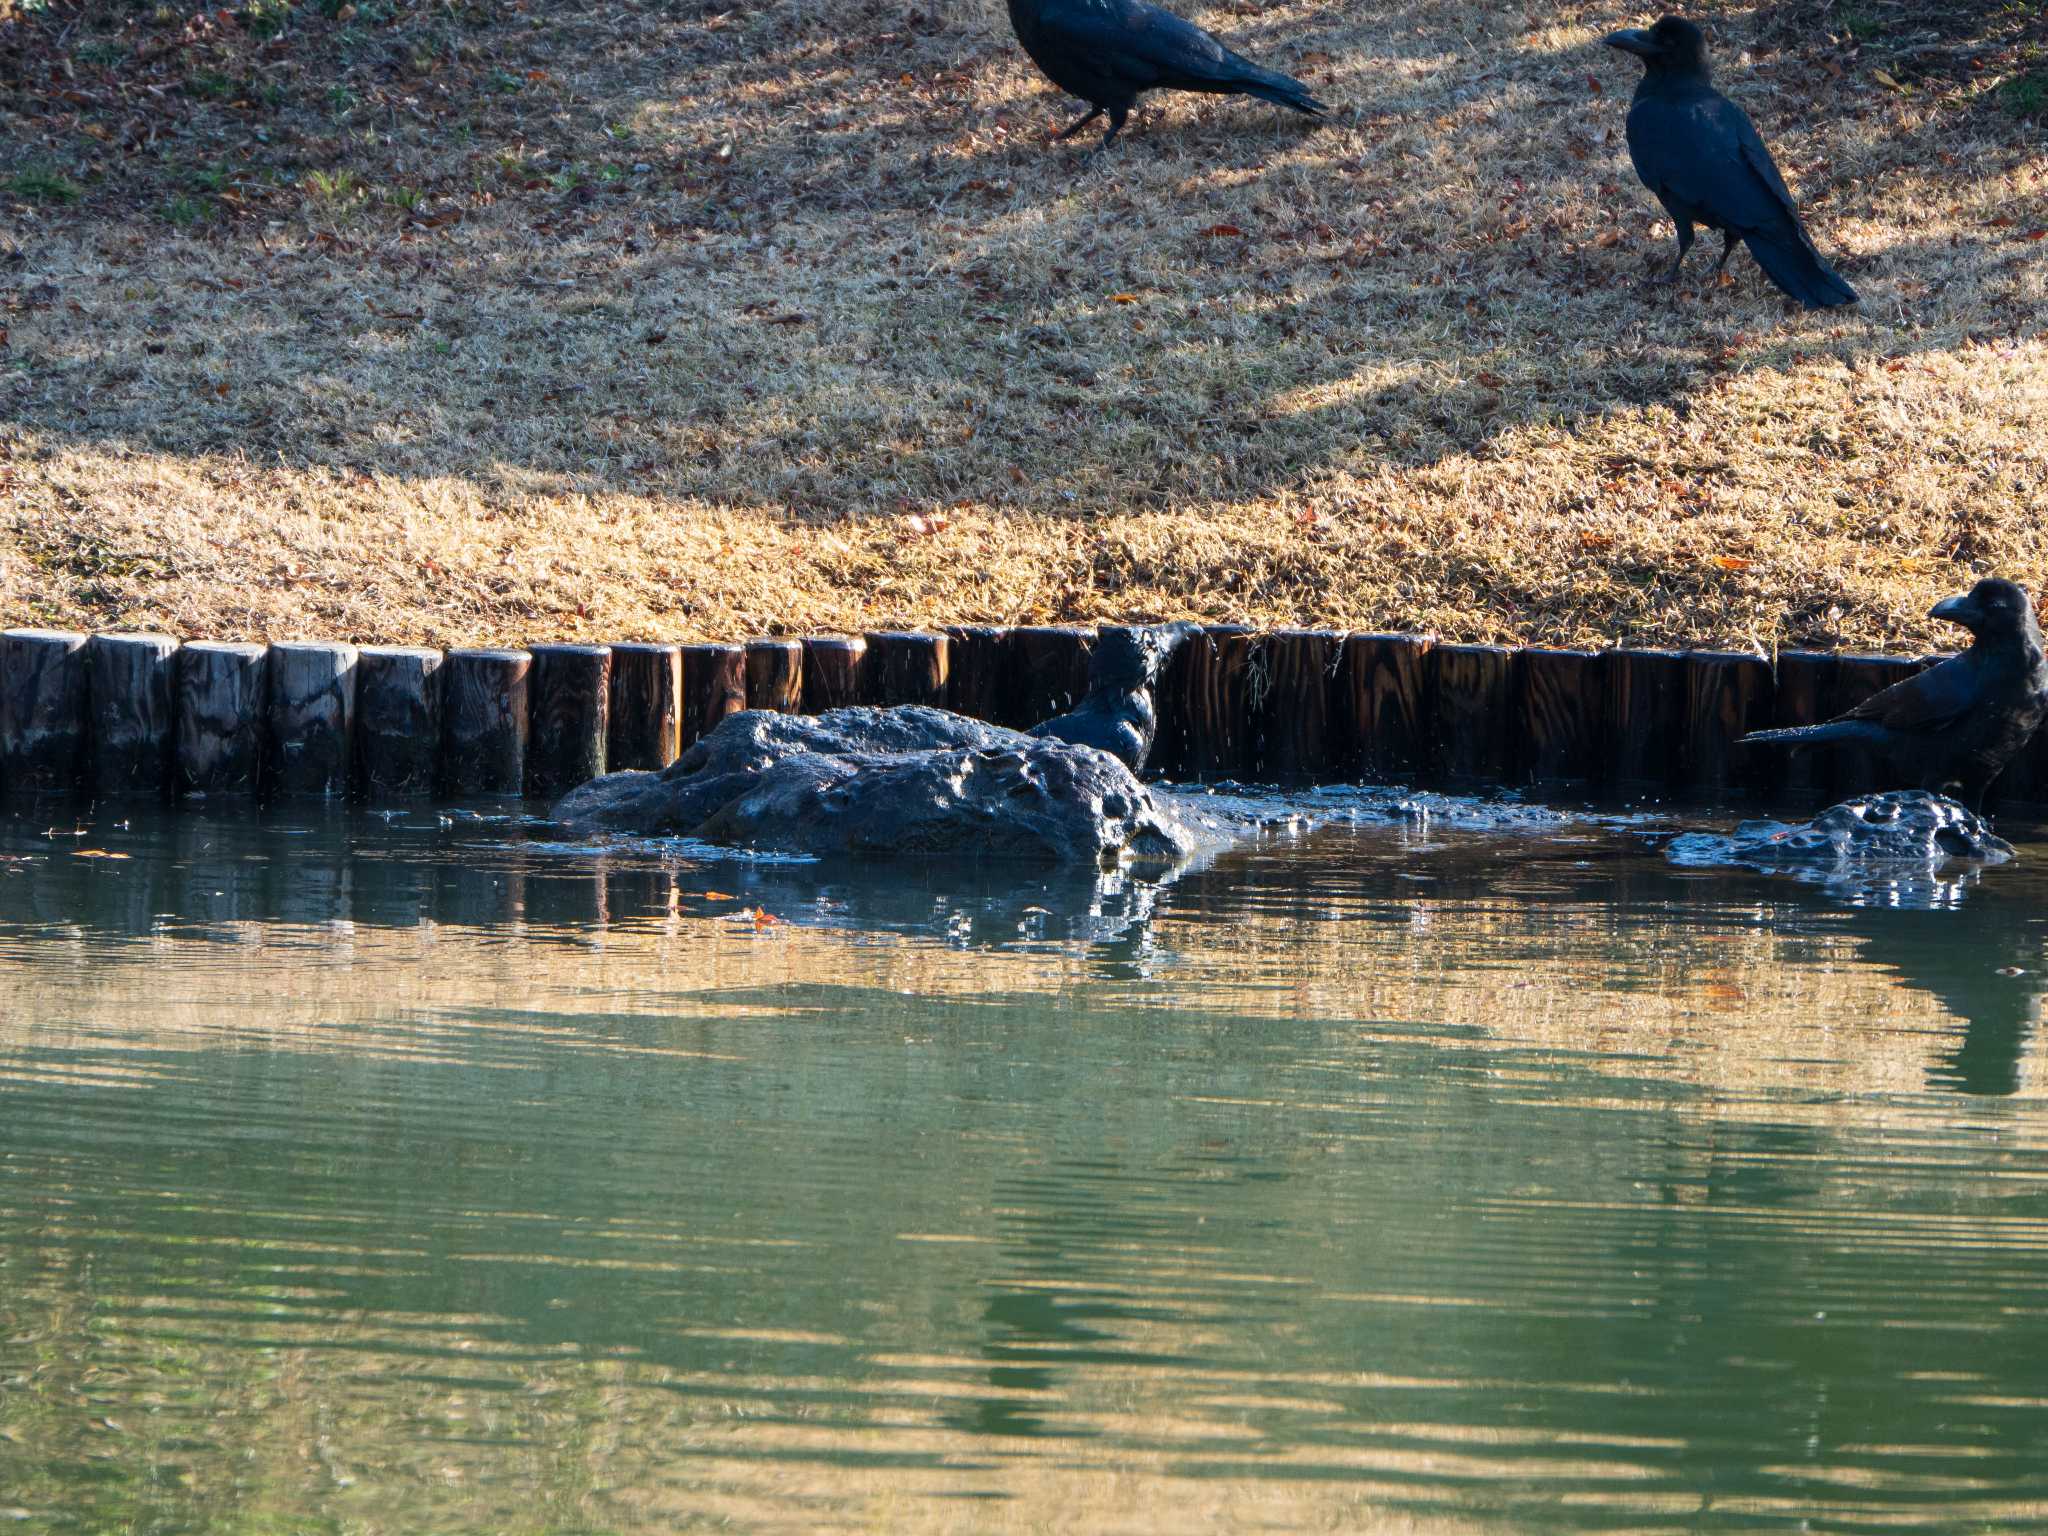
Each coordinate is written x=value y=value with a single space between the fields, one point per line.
x=1118 y=716
x=1700 y=154
x=1107 y=51
x=1954 y=726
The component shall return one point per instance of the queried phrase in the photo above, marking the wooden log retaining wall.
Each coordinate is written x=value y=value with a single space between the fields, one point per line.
x=143 y=715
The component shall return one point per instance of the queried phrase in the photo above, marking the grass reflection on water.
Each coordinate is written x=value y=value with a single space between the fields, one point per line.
x=394 y=1178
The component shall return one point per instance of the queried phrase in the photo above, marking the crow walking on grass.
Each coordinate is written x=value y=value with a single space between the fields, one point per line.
x=1108 y=51
x=1954 y=726
x=1701 y=155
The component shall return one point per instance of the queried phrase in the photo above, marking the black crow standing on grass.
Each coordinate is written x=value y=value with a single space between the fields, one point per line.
x=1955 y=725
x=1107 y=51
x=1701 y=155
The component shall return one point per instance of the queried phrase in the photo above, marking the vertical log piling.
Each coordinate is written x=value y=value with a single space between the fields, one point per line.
x=1383 y=688
x=1212 y=710
x=1560 y=704
x=906 y=667
x=646 y=707
x=1048 y=670
x=484 y=722
x=1804 y=690
x=1644 y=692
x=571 y=699
x=1471 y=693
x=775 y=675
x=835 y=672
x=220 y=732
x=1727 y=694
x=714 y=686
x=979 y=665
x=133 y=685
x=398 y=721
x=43 y=711
x=1294 y=734
x=311 y=712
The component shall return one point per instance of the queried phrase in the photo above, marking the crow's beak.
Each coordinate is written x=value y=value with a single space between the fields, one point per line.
x=1633 y=40
x=1957 y=610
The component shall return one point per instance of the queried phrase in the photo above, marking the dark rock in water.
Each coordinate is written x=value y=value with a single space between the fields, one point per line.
x=1118 y=715
x=1900 y=827
x=903 y=780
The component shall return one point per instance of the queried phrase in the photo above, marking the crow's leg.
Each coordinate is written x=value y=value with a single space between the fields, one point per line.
x=1075 y=127
x=1684 y=245
x=1117 y=115
x=1727 y=250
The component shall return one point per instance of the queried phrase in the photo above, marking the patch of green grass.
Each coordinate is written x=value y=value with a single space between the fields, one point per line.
x=214 y=179
x=2026 y=94
x=100 y=53
x=342 y=186
x=208 y=85
x=1860 y=25
x=404 y=199
x=46 y=186
x=184 y=212
x=340 y=98
x=266 y=18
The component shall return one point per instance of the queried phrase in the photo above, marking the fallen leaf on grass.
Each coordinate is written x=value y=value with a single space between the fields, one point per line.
x=1732 y=562
x=1123 y=298
x=1222 y=231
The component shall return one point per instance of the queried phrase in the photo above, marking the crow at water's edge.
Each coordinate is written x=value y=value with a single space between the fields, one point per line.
x=1701 y=155
x=1954 y=726
x=1108 y=51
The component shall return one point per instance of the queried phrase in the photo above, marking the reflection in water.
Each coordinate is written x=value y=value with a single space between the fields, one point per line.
x=387 y=1177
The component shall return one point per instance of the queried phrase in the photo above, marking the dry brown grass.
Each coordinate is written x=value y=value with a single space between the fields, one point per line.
x=453 y=325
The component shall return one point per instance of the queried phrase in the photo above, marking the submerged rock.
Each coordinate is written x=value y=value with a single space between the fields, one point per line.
x=1910 y=826
x=902 y=780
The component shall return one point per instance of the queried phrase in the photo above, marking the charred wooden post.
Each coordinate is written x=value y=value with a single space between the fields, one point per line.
x=1383 y=694
x=398 y=721
x=1727 y=694
x=1560 y=705
x=134 y=722
x=1472 y=689
x=1049 y=672
x=571 y=700
x=1294 y=741
x=484 y=722
x=219 y=715
x=775 y=675
x=714 y=686
x=1213 y=703
x=311 y=712
x=907 y=667
x=1857 y=770
x=1644 y=693
x=835 y=672
x=979 y=665
x=43 y=711
x=646 y=707
x=1805 y=685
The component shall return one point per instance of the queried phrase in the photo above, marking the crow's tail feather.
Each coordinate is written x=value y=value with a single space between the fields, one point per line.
x=1797 y=736
x=1281 y=90
x=1799 y=271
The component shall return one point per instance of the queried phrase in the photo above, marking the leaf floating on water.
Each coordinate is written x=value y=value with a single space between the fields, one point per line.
x=716 y=895
x=98 y=853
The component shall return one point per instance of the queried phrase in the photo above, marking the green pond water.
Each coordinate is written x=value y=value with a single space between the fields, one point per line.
x=418 y=1175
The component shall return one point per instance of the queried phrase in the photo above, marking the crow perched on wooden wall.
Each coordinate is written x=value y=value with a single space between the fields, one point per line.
x=1954 y=726
x=1701 y=155
x=1107 y=51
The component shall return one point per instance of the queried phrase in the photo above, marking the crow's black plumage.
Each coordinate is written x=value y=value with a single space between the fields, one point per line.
x=1700 y=154
x=1107 y=51
x=1953 y=727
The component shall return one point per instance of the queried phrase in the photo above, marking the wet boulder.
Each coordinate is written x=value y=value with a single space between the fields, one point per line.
x=1911 y=826
x=873 y=781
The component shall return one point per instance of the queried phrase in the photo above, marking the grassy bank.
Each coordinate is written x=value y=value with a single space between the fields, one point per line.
x=380 y=320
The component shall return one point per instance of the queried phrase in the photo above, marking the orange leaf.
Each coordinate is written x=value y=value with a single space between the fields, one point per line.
x=1733 y=562
x=718 y=896
x=1123 y=298
x=1222 y=231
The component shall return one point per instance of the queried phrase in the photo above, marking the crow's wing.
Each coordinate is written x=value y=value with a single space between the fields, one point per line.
x=1703 y=153
x=1925 y=703
x=1140 y=43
